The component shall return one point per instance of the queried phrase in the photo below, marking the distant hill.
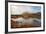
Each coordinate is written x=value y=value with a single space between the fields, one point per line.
x=33 y=15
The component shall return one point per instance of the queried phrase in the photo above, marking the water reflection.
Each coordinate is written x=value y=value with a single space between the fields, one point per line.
x=30 y=21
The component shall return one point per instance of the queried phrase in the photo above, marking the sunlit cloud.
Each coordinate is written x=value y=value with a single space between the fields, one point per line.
x=18 y=9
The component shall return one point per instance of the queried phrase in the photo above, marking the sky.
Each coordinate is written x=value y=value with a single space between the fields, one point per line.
x=19 y=9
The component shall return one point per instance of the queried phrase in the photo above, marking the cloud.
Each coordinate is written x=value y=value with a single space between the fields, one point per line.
x=20 y=9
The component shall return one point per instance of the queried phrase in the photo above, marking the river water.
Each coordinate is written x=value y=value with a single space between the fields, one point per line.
x=31 y=21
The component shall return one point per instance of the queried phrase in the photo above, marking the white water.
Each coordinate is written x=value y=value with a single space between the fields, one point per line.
x=31 y=21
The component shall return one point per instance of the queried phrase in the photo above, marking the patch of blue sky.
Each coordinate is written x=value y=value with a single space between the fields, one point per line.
x=36 y=9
